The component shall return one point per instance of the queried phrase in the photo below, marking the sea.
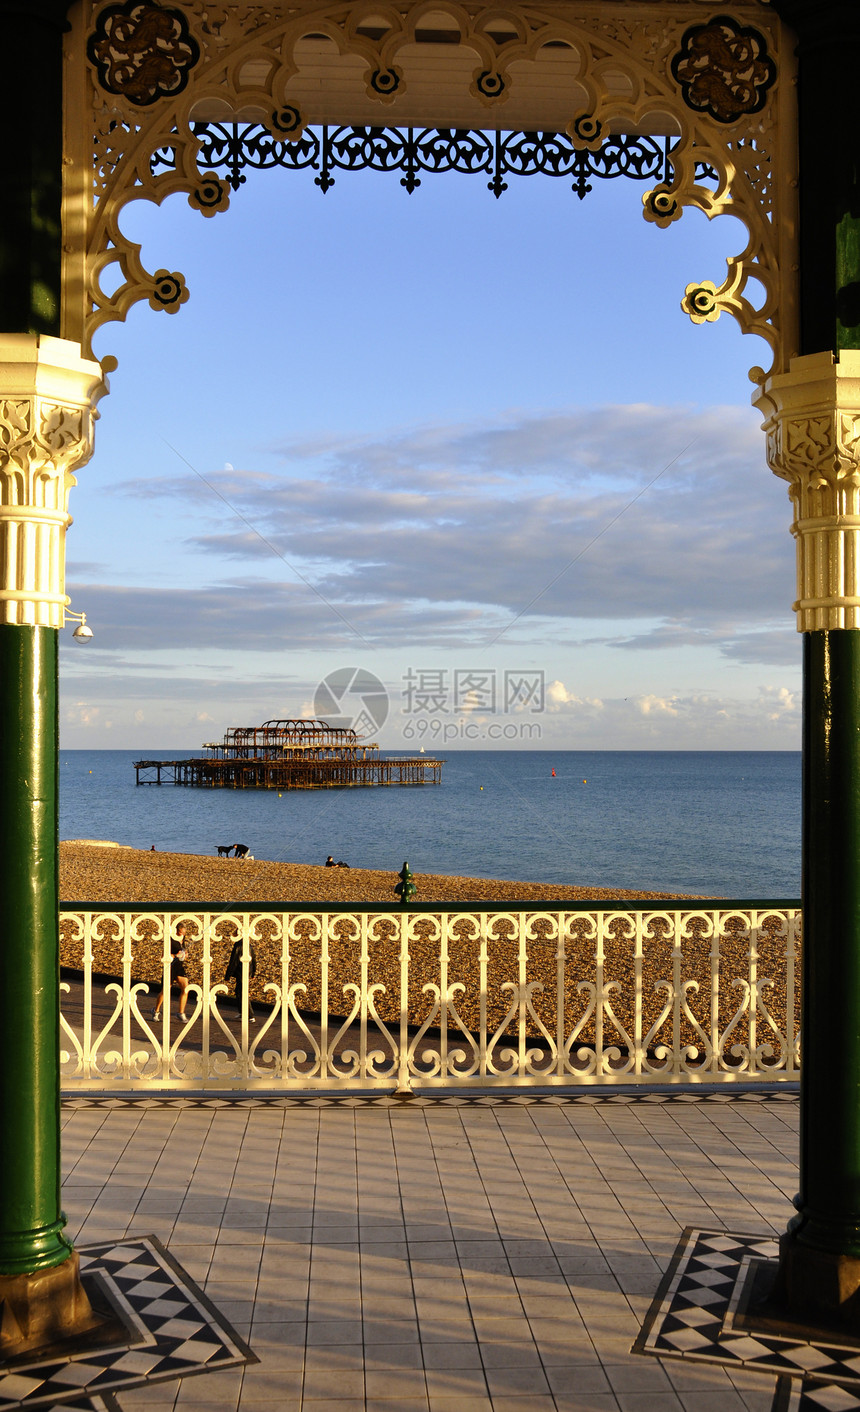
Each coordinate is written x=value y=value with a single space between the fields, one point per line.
x=715 y=823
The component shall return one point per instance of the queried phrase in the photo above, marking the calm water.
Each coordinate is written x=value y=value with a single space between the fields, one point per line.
x=722 y=823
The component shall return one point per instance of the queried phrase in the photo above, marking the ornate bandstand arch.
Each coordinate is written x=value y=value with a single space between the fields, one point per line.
x=701 y=103
x=719 y=88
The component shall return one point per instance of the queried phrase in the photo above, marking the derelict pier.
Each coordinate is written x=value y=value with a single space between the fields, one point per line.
x=290 y=754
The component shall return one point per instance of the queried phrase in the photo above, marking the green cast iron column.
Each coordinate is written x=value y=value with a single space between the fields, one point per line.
x=820 y=1252
x=31 y=1221
x=829 y=1199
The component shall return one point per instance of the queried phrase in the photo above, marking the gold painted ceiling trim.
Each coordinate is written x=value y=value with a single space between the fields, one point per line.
x=139 y=74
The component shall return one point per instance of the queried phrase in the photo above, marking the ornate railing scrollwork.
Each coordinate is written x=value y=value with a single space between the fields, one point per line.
x=384 y=999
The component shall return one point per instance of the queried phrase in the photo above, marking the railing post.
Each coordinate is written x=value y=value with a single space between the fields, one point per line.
x=752 y=1021
x=716 y=937
x=404 y=1084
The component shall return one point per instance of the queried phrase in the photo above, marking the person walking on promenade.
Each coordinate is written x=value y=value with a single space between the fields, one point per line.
x=234 y=972
x=178 y=973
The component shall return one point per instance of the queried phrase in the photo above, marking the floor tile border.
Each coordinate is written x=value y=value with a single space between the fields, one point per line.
x=73 y=1100
x=695 y=1316
x=175 y=1331
x=808 y=1395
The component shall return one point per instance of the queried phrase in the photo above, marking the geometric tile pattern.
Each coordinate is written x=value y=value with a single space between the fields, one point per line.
x=174 y=1331
x=805 y=1395
x=436 y=1256
x=589 y=1097
x=106 y=1403
x=697 y=1314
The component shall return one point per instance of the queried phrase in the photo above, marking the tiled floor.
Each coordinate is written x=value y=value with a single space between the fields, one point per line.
x=444 y=1254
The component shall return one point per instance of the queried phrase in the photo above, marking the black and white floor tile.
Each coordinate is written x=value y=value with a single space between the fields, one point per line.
x=805 y=1395
x=173 y=1331
x=334 y=1097
x=699 y=1314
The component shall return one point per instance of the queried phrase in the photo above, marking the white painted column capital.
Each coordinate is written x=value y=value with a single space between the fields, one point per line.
x=48 y=397
x=812 y=422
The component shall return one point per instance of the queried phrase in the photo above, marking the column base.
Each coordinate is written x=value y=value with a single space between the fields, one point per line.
x=820 y=1287
x=43 y=1308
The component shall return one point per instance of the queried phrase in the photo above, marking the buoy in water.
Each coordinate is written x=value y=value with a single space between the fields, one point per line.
x=553 y=774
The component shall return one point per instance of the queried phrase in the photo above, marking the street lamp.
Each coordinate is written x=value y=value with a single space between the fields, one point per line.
x=81 y=632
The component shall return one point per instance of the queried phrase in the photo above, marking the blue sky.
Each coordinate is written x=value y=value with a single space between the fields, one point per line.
x=441 y=439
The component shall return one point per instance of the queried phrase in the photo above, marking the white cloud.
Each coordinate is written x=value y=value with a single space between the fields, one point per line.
x=769 y=719
x=458 y=533
x=780 y=702
x=554 y=537
x=558 y=698
x=656 y=705
x=82 y=714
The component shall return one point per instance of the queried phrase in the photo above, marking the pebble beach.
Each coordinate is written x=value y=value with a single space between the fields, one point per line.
x=103 y=871
x=99 y=872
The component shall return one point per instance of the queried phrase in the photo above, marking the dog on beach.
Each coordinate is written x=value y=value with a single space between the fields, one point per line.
x=224 y=849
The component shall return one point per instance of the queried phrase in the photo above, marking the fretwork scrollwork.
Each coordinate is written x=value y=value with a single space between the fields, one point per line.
x=812 y=425
x=236 y=148
x=724 y=69
x=155 y=69
x=142 y=51
x=48 y=396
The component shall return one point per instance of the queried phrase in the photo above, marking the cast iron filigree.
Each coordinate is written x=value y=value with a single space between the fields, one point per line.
x=724 y=69
x=233 y=148
x=142 y=51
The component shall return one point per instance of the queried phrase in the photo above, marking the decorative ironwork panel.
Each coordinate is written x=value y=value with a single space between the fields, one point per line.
x=378 y=997
x=140 y=74
x=724 y=69
x=142 y=52
x=234 y=148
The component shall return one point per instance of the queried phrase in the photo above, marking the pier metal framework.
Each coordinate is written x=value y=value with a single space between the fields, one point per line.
x=291 y=754
x=759 y=102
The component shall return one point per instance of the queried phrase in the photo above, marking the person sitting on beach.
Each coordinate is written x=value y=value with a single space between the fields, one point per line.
x=329 y=862
x=178 y=973
x=240 y=850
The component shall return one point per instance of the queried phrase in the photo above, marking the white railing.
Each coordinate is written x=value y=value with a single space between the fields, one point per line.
x=386 y=998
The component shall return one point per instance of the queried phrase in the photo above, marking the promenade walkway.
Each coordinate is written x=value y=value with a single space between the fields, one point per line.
x=470 y=1253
